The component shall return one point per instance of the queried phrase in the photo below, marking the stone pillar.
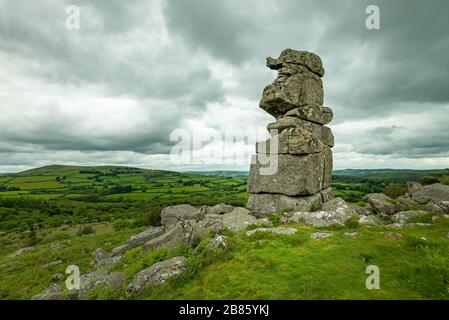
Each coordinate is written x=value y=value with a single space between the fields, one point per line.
x=304 y=157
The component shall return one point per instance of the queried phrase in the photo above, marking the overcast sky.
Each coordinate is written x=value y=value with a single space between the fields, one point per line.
x=114 y=90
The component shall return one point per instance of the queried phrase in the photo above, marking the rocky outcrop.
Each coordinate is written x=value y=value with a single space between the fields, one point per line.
x=380 y=203
x=287 y=231
x=181 y=233
x=300 y=146
x=170 y=216
x=337 y=213
x=156 y=275
x=100 y=280
x=219 y=243
x=217 y=209
x=404 y=216
x=320 y=235
x=53 y=292
x=434 y=197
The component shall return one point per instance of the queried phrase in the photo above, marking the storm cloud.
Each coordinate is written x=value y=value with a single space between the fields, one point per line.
x=113 y=91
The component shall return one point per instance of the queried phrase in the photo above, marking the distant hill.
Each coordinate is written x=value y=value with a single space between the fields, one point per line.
x=232 y=174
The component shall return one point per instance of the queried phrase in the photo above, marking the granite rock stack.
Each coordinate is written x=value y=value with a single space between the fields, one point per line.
x=303 y=155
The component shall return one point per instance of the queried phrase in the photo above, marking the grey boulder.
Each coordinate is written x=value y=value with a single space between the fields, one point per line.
x=170 y=216
x=313 y=113
x=156 y=275
x=380 y=203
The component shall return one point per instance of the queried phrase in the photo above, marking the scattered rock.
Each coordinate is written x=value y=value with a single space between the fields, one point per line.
x=21 y=251
x=56 y=246
x=102 y=259
x=320 y=235
x=219 y=243
x=434 y=197
x=368 y=221
x=287 y=231
x=217 y=209
x=351 y=234
x=364 y=211
x=380 y=203
x=100 y=279
x=157 y=274
x=53 y=263
x=120 y=250
x=403 y=216
x=238 y=219
x=144 y=236
x=424 y=239
x=53 y=292
x=182 y=232
x=395 y=225
x=396 y=236
x=317 y=219
x=212 y=223
x=170 y=216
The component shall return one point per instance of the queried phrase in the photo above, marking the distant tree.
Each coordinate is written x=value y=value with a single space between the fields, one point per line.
x=395 y=190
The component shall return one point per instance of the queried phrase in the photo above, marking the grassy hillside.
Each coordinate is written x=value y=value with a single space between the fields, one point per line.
x=66 y=212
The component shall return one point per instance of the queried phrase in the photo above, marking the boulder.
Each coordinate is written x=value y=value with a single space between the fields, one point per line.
x=238 y=219
x=181 y=233
x=217 y=209
x=295 y=175
x=290 y=57
x=21 y=251
x=313 y=113
x=287 y=231
x=380 y=203
x=53 y=292
x=142 y=237
x=308 y=130
x=99 y=256
x=368 y=221
x=403 y=216
x=326 y=195
x=100 y=279
x=120 y=250
x=299 y=141
x=219 y=243
x=156 y=275
x=262 y=204
x=351 y=234
x=170 y=216
x=212 y=223
x=318 y=219
x=364 y=211
x=320 y=235
x=423 y=194
x=338 y=205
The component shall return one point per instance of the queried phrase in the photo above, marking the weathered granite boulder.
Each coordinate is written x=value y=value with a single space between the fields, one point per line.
x=320 y=235
x=212 y=223
x=53 y=292
x=156 y=275
x=21 y=251
x=295 y=175
x=219 y=243
x=170 y=216
x=101 y=280
x=338 y=205
x=144 y=236
x=287 y=231
x=181 y=233
x=290 y=57
x=299 y=141
x=370 y=220
x=404 y=216
x=323 y=133
x=99 y=256
x=298 y=82
x=317 y=219
x=217 y=209
x=238 y=219
x=262 y=204
x=380 y=203
x=313 y=113
x=434 y=197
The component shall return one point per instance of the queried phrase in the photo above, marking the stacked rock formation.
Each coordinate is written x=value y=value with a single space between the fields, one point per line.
x=304 y=157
